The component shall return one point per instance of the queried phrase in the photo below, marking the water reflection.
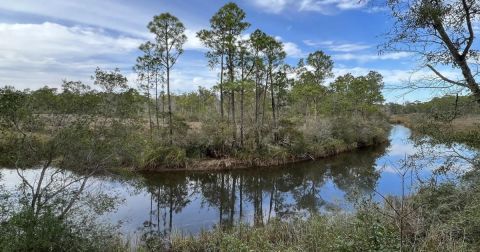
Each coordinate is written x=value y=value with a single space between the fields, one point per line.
x=255 y=195
x=189 y=202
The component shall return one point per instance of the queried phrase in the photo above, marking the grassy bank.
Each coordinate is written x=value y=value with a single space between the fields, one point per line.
x=324 y=138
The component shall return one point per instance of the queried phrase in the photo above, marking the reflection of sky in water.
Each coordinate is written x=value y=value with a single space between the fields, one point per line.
x=299 y=188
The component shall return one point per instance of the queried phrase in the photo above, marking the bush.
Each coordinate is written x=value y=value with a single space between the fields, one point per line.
x=165 y=156
x=25 y=231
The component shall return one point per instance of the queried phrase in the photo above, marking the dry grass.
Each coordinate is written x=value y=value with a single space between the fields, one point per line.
x=467 y=123
x=464 y=123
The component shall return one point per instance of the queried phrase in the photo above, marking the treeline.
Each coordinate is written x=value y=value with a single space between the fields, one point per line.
x=462 y=105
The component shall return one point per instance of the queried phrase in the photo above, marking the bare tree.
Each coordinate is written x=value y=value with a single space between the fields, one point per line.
x=442 y=34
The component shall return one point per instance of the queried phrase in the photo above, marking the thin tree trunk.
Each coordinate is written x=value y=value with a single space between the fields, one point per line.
x=257 y=98
x=163 y=103
x=148 y=106
x=265 y=89
x=274 y=117
x=156 y=100
x=232 y=98
x=242 y=95
x=221 y=87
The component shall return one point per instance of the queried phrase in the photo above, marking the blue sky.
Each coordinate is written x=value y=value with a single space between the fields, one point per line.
x=44 y=42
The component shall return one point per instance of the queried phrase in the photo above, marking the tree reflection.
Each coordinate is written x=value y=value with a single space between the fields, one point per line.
x=169 y=194
x=257 y=195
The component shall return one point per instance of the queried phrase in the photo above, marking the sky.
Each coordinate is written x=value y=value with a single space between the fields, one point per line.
x=45 y=42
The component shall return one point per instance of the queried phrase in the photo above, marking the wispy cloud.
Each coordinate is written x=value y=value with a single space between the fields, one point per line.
x=329 y=6
x=362 y=58
x=33 y=55
x=337 y=46
x=106 y=14
x=320 y=6
x=273 y=6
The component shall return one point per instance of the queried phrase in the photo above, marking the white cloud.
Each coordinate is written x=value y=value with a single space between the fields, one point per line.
x=38 y=54
x=376 y=9
x=321 y=6
x=337 y=46
x=273 y=6
x=291 y=49
x=371 y=57
x=192 y=74
x=397 y=77
x=193 y=42
x=127 y=17
x=106 y=13
x=329 y=6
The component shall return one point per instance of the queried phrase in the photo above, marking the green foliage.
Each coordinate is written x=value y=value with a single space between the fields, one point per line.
x=326 y=233
x=442 y=108
x=25 y=231
x=360 y=132
x=172 y=157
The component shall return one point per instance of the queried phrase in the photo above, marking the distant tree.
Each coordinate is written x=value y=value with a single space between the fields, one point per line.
x=322 y=65
x=442 y=33
x=312 y=73
x=170 y=37
x=361 y=94
x=110 y=81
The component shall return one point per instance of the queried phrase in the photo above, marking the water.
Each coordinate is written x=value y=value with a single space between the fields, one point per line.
x=192 y=201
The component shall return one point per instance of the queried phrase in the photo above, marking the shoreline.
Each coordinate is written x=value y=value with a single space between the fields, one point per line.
x=230 y=163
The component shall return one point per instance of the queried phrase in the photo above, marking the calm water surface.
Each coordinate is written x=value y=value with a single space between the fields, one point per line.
x=189 y=202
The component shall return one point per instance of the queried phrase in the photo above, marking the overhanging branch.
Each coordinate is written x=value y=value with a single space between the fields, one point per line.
x=441 y=76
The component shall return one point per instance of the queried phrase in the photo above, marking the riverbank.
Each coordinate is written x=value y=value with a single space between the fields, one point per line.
x=274 y=156
x=191 y=202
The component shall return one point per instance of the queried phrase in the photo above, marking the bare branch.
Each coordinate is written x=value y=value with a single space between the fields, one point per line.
x=445 y=78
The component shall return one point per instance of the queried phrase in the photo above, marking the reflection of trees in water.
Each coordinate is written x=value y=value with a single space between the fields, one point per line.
x=169 y=194
x=356 y=174
x=256 y=195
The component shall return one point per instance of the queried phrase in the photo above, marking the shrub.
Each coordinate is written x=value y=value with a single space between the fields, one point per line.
x=165 y=156
x=25 y=231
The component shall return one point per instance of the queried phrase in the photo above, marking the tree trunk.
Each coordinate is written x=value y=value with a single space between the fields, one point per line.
x=148 y=106
x=257 y=99
x=163 y=103
x=156 y=101
x=232 y=98
x=265 y=89
x=459 y=59
x=242 y=95
x=221 y=87
x=274 y=116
